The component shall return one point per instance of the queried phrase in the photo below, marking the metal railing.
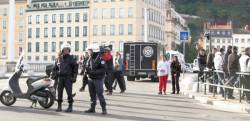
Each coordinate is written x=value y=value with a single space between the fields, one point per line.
x=208 y=78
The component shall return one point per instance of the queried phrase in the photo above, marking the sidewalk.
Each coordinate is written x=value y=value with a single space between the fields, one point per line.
x=190 y=89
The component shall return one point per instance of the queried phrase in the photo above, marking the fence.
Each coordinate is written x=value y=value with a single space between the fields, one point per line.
x=210 y=78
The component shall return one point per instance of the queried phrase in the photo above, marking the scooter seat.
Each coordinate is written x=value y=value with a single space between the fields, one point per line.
x=33 y=79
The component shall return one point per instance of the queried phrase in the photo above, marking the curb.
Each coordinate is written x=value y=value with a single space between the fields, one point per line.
x=223 y=105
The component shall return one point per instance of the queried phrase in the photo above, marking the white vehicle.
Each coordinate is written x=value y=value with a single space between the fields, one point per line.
x=180 y=56
x=196 y=66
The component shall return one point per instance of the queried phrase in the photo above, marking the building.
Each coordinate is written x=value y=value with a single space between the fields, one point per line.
x=113 y=22
x=19 y=38
x=241 y=40
x=51 y=23
x=175 y=24
x=221 y=34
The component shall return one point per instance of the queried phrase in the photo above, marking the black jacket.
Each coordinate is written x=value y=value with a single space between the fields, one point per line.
x=175 y=68
x=66 y=67
x=110 y=65
x=202 y=60
x=83 y=67
x=96 y=67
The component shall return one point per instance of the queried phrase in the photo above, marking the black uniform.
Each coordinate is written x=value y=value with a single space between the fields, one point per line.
x=96 y=69
x=66 y=70
x=85 y=78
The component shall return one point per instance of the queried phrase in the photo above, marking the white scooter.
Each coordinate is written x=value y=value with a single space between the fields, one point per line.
x=40 y=89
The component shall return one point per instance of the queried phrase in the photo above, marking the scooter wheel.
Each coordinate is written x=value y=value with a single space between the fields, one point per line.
x=49 y=100
x=7 y=98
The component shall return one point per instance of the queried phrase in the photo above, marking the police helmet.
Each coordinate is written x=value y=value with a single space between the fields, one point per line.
x=65 y=46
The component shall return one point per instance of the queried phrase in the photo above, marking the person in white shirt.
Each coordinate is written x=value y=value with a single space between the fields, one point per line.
x=218 y=65
x=163 y=69
x=245 y=67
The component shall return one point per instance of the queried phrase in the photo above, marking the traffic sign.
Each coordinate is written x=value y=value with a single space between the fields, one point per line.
x=184 y=36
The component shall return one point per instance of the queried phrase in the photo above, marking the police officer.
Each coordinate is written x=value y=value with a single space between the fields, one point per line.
x=67 y=70
x=96 y=69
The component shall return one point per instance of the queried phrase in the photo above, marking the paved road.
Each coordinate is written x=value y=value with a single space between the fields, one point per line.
x=139 y=103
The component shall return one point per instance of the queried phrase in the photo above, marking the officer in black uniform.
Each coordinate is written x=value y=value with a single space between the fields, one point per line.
x=96 y=69
x=66 y=70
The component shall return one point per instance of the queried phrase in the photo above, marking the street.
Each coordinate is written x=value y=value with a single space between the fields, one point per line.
x=139 y=103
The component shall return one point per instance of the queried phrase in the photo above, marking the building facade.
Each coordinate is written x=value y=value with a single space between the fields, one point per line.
x=51 y=23
x=241 y=40
x=175 y=24
x=19 y=39
x=113 y=22
x=221 y=34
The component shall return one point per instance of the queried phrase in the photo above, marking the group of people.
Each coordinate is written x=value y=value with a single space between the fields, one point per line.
x=97 y=68
x=166 y=68
x=226 y=65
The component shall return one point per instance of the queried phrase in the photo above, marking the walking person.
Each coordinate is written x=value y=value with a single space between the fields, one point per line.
x=83 y=72
x=163 y=71
x=202 y=60
x=108 y=58
x=244 y=62
x=225 y=61
x=210 y=66
x=233 y=67
x=218 y=65
x=66 y=69
x=96 y=68
x=175 y=73
x=118 y=72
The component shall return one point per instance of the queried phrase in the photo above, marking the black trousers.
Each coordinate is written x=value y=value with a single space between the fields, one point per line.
x=246 y=85
x=96 y=89
x=232 y=80
x=175 y=83
x=120 y=79
x=84 y=81
x=109 y=81
x=65 y=82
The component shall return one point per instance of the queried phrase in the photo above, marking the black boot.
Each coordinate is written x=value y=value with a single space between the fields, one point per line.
x=104 y=111
x=91 y=110
x=59 y=108
x=70 y=108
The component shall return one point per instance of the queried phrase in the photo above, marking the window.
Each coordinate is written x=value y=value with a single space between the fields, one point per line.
x=85 y=31
x=53 y=58
x=37 y=19
x=77 y=31
x=130 y=12
x=29 y=47
x=76 y=46
x=130 y=29
x=103 y=29
x=95 y=30
x=60 y=44
x=20 y=51
x=45 y=18
x=4 y=24
x=218 y=40
x=45 y=47
x=77 y=17
x=85 y=17
x=21 y=36
x=45 y=32
x=248 y=40
x=61 y=32
x=45 y=58
x=242 y=40
x=223 y=41
x=69 y=17
x=95 y=14
x=84 y=45
x=95 y=1
x=37 y=32
x=4 y=37
x=121 y=29
x=5 y=12
x=69 y=32
x=37 y=47
x=61 y=18
x=53 y=49
x=53 y=32
x=122 y=13
x=30 y=20
x=37 y=58
x=4 y=51
x=104 y=13
x=54 y=18
x=112 y=29
x=29 y=58
x=121 y=46
x=112 y=13
x=229 y=41
x=236 y=40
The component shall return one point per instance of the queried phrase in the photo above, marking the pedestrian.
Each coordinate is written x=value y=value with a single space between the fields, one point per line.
x=210 y=66
x=66 y=70
x=233 y=67
x=175 y=73
x=225 y=61
x=83 y=72
x=96 y=68
x=118 y=72
x=202 y=60
x=218 y=65
x=108 y=58
x=244 y=62
x=163 y=72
